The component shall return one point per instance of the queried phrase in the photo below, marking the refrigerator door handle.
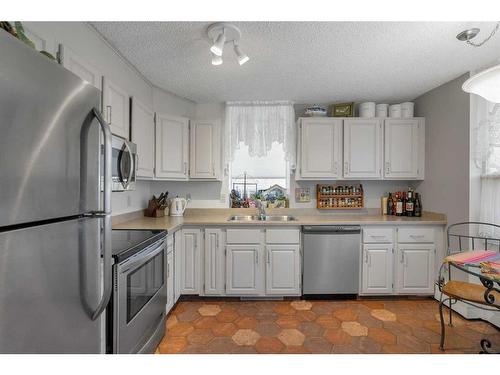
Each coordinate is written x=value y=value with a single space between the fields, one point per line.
x=106 y=215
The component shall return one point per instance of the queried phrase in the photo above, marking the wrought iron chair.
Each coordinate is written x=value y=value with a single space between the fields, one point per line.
x=465 y=237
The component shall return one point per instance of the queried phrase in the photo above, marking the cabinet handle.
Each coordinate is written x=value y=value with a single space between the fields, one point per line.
x=268 y=257
x=185 y=168
x=168 y=270
x=417 y=236
x=388 y=167
x=402 y=257
x=335 y=167
x=109 y=114
x=346 y=167
x=136 y=162
x=217 y=241
x=256 y=257
x=213 y=168
x=366 y=256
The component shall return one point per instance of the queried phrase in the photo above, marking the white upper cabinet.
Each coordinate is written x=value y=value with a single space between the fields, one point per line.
x=363 y=145
x=205 y=149
x=43 y=41
x=172 y=145
x=404 y=148
x=116 y=104
x=320 y=149
x=79 y=66
x=143 y=135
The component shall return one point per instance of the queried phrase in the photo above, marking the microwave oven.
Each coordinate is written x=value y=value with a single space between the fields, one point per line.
x=123 y=164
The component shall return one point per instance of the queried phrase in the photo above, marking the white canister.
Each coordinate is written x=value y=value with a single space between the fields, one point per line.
x=395 y=111
x=381 y=110
x=367 y=109
x=407 y=109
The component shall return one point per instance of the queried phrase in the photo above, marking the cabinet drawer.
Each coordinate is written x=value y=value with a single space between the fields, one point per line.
x=378 y=235
x=282 y=236
x=243 y=236
x=421 y=235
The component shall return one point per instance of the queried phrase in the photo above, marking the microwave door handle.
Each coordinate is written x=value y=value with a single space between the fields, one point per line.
x=105 y=215
x=130 y=166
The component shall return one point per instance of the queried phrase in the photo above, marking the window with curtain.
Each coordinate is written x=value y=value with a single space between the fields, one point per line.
x=259 y=144
x=487 y=158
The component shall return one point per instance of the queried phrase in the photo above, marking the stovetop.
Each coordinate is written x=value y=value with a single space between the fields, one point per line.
x=125 y=242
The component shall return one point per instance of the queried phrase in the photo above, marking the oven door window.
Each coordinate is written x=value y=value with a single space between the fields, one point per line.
x=143 y=283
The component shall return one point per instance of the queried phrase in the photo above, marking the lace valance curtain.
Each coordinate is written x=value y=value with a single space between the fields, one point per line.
x=258 y=124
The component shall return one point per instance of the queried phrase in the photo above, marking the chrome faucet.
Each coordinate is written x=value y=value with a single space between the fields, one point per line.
x=262 y=209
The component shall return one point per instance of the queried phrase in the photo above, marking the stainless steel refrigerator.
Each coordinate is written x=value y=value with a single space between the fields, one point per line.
x=55 y=264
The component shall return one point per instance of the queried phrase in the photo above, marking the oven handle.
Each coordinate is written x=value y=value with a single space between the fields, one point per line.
x=105 y=215
x=140 y=258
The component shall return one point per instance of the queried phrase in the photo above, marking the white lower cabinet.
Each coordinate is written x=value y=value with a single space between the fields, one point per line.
x=244 y=271
x=191 y=261
x=214 y=262
x=398 y=260
x=283 y=269
x=377 y=269
x=177 y=264
x=170 y=281
x=415 y=267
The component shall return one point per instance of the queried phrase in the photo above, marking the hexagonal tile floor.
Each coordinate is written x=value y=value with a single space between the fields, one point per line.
x=366 y=326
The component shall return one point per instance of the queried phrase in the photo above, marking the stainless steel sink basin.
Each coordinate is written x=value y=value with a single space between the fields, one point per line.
x=261 y=218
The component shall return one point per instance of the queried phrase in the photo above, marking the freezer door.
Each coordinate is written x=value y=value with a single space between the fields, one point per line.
x=50 y=284
x=42 y=109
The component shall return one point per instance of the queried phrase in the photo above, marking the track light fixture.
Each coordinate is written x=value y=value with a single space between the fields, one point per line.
x=220 y=34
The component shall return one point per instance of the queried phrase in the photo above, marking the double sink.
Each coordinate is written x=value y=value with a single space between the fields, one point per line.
x=261 y=218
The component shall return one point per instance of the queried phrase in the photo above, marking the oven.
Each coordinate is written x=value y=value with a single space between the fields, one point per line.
x=139 y=299
x=123 y=165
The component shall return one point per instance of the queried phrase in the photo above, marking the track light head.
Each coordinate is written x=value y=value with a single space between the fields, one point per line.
x=218 y=45
x=242 y=58
x=216 y=60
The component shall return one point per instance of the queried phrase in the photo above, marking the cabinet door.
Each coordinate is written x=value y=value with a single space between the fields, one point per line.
x=116 y=108
x=283 y=269
x=172 y=145
x=377 y=274
x=42 y=39
x=78 y=65
x=403 y=141
x=204 y=161
x=170 y=281
x=143 y=134
x=320 y=148
x=363 y=148
x=244 y=269
x=415 y=269
x=177 y=264
x=190 y=262
x=214 y=262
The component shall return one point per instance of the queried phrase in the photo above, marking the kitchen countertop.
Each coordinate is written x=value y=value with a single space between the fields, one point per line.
x=204 y=217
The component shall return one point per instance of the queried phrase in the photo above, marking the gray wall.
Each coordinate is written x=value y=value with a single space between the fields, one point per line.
x=447 y=152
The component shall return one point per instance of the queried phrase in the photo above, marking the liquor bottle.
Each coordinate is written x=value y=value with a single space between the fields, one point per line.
x=389 y=204
x=403 y=200
x=399 y=204
x=384 y=205
x=418 y=205
x=410 y=204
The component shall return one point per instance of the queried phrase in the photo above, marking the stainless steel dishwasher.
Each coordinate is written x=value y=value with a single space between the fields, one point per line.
x=331 y=259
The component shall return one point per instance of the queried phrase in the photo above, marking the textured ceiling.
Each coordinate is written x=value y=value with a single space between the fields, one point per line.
x=303 y=61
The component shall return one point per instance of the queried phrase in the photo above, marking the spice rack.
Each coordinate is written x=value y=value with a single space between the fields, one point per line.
x=339 y=197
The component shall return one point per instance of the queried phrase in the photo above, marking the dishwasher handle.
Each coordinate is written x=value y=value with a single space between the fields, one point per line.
x=332 y=229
